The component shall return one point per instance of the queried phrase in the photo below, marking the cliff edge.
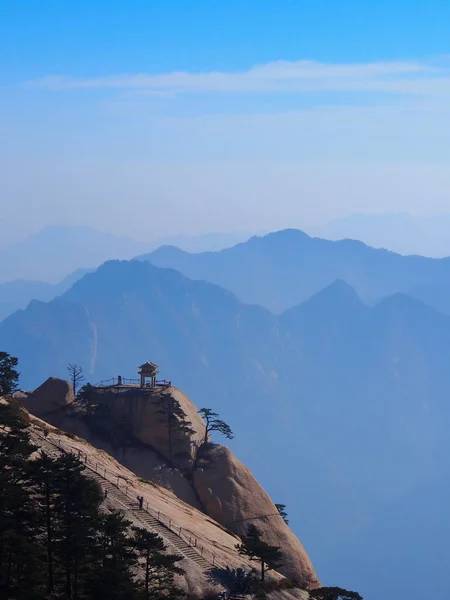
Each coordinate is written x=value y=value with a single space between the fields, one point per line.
x=158 y=434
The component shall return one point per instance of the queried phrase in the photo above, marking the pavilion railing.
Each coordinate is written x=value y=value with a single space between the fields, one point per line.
x=115 y=381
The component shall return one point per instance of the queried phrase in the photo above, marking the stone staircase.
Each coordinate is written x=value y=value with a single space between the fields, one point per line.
x=130 y=505
x=150 y=522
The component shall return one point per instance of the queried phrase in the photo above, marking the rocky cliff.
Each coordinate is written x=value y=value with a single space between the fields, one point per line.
x=138 y=427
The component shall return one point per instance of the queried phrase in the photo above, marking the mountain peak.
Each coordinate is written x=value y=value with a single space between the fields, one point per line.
x=166 y=251
x=284 y=236
x=337 y=292
x=337 y=298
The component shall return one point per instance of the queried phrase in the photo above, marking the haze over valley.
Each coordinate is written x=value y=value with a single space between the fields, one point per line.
x=224 y=300
x=324 y=377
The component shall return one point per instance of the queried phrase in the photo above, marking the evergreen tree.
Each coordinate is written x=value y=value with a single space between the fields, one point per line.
x=160 y=568
x=21 y=557
x=44 y=471
x=282 y=510
x=85 y=397
x=334 y=593
x=213 y=423
x=112 y=576
x=76 y=517
x=175 y=417
x=255 y=548
x=8 y=374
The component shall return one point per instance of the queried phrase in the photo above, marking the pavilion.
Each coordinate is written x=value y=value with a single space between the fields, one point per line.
x=148 y=371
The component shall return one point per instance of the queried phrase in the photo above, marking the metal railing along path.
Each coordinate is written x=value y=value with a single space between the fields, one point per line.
x=189 y=545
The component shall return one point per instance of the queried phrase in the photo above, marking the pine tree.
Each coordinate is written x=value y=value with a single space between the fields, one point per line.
x=160 y=568
x=76 y=517
x=112 y=574
x=21 y=557
x=213 y=423
x=255 y=548
x=8 y=374
x=175 y=418
x=44 y=472
x=334 y=593
x=282 y=510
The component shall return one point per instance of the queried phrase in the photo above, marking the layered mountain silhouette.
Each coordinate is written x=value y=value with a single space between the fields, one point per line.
x=401 y=232
x=347 y=402
x=435 y=294
x=50 y=254
x=16 y=295
x=55 y=251
x=282 y=269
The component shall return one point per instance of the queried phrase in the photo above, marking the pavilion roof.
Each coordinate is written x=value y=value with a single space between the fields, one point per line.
x=148 y=366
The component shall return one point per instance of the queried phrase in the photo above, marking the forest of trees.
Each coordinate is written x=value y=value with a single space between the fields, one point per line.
x=55 y=542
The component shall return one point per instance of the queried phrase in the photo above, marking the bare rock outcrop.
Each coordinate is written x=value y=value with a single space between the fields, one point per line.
x=132 y=425
x=233 y=497
x=146 y=413
x=53 y=395
x=139 y=458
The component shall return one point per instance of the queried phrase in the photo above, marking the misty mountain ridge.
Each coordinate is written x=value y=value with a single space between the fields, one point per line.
x=333 y=369
x=36 y=258
x=207 y=242
x=400 y=232
x=282 y=269
x=16 y=295
x=278 y=270
x=57 y=250
x=50 y=254
x=355 y=397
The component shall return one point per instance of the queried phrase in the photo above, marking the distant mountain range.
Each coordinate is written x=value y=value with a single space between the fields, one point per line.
x=56 y=251
x=399 y=232
x=51 y=254
x=208 y=242
x=347 y=402
x=282 y=269
x=16 y=295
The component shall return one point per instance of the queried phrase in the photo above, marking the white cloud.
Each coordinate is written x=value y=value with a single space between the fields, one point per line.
x=402 y=77
x=234 y=150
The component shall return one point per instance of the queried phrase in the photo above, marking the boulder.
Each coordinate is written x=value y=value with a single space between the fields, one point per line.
x=233 y=497
x=53 y=395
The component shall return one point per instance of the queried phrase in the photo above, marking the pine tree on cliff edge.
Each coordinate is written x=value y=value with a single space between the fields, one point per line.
x=213 y=423
x=255 y=548
x=8 y=374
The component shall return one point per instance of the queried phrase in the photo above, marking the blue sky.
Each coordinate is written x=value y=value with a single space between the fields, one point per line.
x=221 y=115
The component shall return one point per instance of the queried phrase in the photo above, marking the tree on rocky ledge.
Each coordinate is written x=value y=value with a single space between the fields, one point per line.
x=282 y=510
x=175 y=418
x=76 y=376
x=333 y=593
x=8 y=374
x=255 y=548
x=213 y=423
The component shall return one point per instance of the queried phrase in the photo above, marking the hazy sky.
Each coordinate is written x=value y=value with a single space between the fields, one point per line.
x=150 y=118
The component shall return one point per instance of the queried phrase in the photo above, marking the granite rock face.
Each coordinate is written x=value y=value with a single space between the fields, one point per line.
x=149 y=416
x=53 y=395
x=232 y=496
x=135 y=426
